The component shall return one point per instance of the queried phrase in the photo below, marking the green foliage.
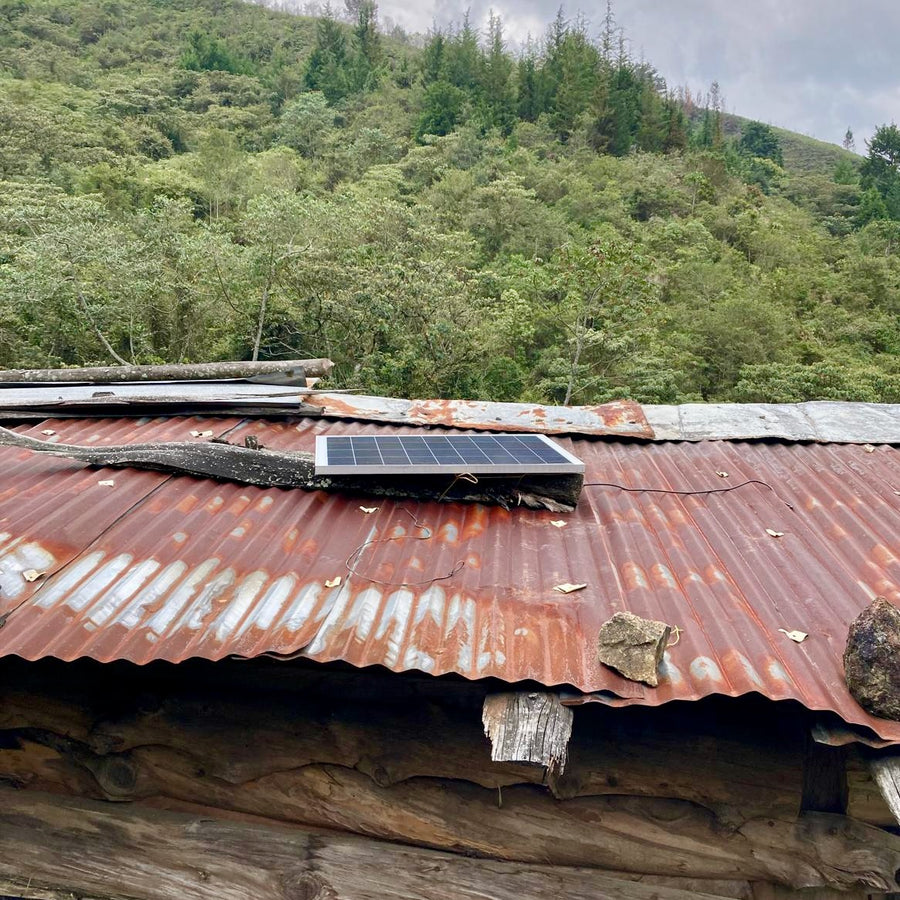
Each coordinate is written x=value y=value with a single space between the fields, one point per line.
x=305 y=123
x=759 y=140
x=880 y=171
x=442 y=109
x=206 y=53
x=328 y=69
x=207 y=180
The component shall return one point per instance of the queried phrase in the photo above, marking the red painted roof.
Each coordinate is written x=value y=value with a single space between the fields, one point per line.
x=163 y=567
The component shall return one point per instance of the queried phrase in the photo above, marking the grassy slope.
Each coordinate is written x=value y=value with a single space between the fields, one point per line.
x=803 y=155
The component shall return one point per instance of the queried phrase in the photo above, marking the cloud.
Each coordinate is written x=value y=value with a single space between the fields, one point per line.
x=816 y=66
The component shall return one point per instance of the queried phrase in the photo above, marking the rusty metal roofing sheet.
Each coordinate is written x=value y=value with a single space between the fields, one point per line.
x=160 y=567
x=620 y=418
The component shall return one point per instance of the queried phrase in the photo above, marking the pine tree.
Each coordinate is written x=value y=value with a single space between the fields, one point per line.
x=463 y=58
x=717 y=102
x=367 y=46
x=528 y=100
x=328 y=67
x=496 y=87
x=574 y=67
x=433 y=57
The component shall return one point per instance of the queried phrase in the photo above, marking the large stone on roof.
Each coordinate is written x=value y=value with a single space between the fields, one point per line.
x=872 y=659
x=633 y=646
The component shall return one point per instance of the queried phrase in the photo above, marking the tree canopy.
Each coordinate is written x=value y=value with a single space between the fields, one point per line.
x=206 y=180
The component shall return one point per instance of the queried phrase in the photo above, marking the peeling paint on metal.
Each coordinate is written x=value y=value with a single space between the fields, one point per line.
x=621 y=418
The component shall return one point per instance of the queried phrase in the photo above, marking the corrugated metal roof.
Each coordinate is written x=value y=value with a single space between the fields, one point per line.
x=159 y=567
x=819 y=420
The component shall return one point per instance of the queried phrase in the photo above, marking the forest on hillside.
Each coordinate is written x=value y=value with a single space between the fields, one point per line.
x=442 y=216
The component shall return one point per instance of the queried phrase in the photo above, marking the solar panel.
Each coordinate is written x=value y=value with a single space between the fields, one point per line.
x=436 y=454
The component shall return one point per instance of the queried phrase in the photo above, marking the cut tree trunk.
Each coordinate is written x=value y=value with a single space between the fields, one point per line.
x=296 y=369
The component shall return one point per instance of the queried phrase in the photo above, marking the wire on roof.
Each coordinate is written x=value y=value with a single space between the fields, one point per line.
x=353 y=558
x=721 y=490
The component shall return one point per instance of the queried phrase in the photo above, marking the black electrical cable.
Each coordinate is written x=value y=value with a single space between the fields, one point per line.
x=721 y=490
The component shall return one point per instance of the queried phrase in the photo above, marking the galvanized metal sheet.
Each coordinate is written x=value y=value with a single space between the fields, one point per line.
x=834 y=422
x=232 y=393
x=157 y=567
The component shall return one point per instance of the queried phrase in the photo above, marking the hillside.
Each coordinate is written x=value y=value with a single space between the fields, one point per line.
x=186 y=181
x=803 y=155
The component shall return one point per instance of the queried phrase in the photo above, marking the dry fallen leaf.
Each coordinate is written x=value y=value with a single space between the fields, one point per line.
x=369 y=509
x=108 y=483
x=868 y=448
x=201 y=434
x=333 y=582
x=722 y=474
x=31 y=574
x=559 y=523
x=48 y=432
x=774 y=533
x=569 y=588
x=798 y=636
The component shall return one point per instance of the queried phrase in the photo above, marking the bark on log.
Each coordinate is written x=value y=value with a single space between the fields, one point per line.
x=293 y=469
x=655 y=836
x=763 y=891
x=528 y=727
x=149 y=854
x=297 y=370
x=522 y=824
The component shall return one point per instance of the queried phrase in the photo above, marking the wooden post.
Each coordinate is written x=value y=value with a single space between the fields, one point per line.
x=528 y=727
x=886 y=774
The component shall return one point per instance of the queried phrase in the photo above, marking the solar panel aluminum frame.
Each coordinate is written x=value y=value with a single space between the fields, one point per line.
x=569 y=465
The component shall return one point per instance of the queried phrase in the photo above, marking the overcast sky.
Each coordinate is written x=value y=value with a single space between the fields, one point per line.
x=814 y=66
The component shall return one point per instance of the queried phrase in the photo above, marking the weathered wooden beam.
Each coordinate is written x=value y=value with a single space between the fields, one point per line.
x=344 y=721
x=292 y=469
x=886 y=774
x=298 y=369
x=764 y=891
x=528 y=727
x=111 y=850
x=520 y=823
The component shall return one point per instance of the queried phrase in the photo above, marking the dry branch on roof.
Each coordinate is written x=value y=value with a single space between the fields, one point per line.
x=293 y=469
x=293 y=370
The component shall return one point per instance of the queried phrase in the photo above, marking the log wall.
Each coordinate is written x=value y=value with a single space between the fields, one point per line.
x=701 y=797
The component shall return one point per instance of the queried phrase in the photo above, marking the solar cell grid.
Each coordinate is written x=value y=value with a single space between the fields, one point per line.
x=434 y=453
